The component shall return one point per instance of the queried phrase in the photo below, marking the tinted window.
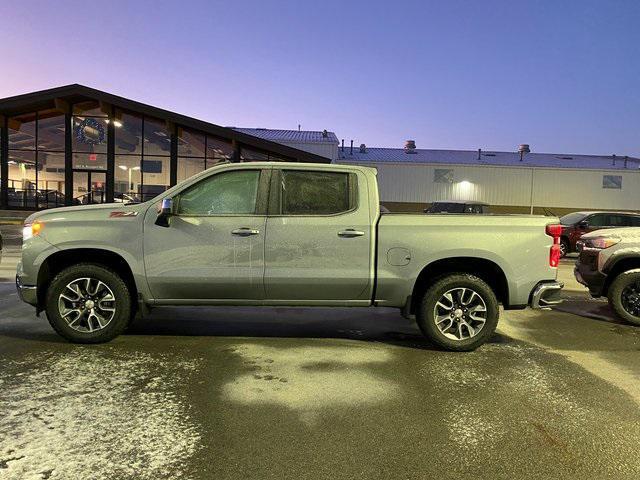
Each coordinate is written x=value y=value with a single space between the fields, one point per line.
x=446 y=207
x=225 y=193
x=315 y=193
x=599 y=220
x=618 y=221
x=633 y=221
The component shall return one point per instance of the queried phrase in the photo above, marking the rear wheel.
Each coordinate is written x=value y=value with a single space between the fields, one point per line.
x=459 y=312
x=624 y=296
x=88 y=303
x=564 y=247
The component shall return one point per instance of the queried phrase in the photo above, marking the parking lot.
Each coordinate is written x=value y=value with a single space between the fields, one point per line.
x=253 y=393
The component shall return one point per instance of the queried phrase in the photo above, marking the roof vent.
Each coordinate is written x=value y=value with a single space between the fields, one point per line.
x=410 y=146
x=523 y=148
x=363 y=148
x=325 y=134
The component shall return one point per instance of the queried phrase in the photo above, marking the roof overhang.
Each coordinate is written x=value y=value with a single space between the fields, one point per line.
x=62 y=97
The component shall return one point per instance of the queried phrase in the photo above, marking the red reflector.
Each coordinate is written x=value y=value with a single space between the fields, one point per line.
x=554 y=230
x=554 y=255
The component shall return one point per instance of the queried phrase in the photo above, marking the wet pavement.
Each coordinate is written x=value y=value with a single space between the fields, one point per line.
x=249 y=393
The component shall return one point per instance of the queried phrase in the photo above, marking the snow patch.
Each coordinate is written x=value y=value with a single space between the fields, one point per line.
x=88 y=414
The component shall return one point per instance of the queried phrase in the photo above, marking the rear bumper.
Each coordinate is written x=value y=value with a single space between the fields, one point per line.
x=546 y=295
x=27 y=293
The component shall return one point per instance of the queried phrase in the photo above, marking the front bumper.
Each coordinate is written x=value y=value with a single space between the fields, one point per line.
x=587 y=273
x=27 y=293
x=546 y=295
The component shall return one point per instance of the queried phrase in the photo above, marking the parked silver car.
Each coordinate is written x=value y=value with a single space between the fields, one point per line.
x=609 y=265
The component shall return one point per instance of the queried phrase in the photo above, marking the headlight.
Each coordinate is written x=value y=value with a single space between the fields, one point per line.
x=600 y=242
x=31 y=229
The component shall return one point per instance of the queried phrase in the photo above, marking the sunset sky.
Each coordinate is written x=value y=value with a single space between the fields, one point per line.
x=561 y=76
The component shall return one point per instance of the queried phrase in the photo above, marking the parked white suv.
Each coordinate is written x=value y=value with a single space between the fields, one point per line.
x=609 y=265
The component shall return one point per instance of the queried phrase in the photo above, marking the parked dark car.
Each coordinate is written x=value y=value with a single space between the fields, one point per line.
x=576 y=224
x=457 y=206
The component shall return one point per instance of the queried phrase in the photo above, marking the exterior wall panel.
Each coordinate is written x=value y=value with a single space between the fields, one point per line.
x=508 y=186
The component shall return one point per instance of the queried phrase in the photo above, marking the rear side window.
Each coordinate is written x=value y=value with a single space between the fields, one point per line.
x=633 y=221
x=618 y=221
x=599 y=220
x=229 y=193
x=305 y=192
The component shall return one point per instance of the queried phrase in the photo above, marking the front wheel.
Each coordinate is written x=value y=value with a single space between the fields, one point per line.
x=88 y=303
x=624 y=296
x=564 y=247
x=459 y=312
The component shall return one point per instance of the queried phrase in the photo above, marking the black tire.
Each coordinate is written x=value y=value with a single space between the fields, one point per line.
x=626 y=308
x=564 y=247
x=426 y=316
x=117 y=324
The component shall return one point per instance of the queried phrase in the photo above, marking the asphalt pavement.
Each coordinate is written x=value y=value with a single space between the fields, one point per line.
x=250 y=393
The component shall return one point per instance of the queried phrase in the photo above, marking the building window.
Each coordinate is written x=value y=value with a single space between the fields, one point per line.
x=192 y=147
x=218 y=151
x=612 y=181
x=197 y=152
x=157 y=138
x=142 y=165
x=36 y=160
x=443 y=175
x=249 y=155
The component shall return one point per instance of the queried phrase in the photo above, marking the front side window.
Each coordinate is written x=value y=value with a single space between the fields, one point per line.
x=316 y=193
x=229 y=193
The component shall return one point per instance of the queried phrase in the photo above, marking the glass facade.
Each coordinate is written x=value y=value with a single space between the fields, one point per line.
x=86 y=151
x=35 y=158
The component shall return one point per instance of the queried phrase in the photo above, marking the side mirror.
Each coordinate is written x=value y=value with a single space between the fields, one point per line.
x=583 y=225
x=166 y=210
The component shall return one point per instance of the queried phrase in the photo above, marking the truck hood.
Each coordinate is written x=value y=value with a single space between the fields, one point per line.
x=102 y=210
x=624 y=232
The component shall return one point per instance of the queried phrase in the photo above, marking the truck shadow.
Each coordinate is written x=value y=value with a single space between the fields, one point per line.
x=368 y=325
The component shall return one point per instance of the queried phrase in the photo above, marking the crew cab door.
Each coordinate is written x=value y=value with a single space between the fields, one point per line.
x=213 y=248
x=318 y=245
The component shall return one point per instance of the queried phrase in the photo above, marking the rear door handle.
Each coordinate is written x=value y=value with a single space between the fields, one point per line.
x=350 y=233
x=245 y=232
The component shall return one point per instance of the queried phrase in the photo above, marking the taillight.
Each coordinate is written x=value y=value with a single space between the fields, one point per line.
x=554 y=231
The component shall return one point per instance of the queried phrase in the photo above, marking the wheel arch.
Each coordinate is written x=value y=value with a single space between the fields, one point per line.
x=487 y=270
x=618 y=266
x=58 y=261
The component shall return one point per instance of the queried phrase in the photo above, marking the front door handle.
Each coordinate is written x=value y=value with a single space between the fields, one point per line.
x=245 y=232
x=350 y=233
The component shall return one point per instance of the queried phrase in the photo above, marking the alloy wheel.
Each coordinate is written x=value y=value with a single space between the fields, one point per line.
x=87 y=305
x=460 y=313
x=631 y=299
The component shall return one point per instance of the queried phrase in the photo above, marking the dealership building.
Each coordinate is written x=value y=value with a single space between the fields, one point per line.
x=77 y=145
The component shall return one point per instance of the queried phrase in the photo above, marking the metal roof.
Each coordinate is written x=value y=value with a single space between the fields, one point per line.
x=75 y=93
x=298 y=136
x=470 y=157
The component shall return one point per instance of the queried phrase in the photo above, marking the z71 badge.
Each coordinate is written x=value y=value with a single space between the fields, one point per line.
x=119 y=213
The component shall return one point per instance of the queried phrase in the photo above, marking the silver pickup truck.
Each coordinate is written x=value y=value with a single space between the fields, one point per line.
x=285 y=234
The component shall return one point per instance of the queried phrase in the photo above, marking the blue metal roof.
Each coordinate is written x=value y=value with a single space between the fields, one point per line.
x=301 y=136
x=470 y=157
